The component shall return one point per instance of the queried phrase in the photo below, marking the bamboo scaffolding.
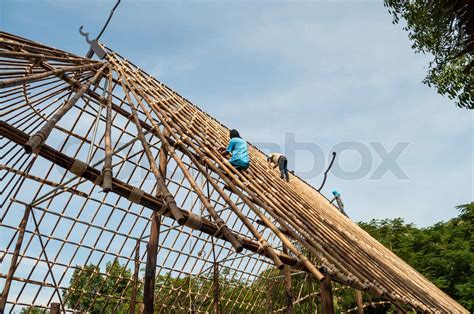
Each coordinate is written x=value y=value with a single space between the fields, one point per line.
x=170 y=158
x=125 y=190
x=376 y=288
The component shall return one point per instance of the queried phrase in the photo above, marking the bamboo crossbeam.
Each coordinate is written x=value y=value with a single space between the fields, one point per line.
x=26 y=55
x=40 y=76
x=41 y=180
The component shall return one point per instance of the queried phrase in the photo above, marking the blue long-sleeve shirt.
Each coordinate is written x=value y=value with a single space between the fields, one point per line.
x=239 y=150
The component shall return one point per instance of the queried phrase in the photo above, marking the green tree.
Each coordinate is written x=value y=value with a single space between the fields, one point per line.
x=91 y=291
x=33 y=310
x=443 y=252
x=444 y=30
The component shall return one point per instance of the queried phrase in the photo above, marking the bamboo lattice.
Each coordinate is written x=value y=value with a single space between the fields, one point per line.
x=96 y=152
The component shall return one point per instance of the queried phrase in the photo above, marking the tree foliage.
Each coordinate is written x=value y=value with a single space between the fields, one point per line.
x=89 y=290
x=443 y=253
x=444 y=29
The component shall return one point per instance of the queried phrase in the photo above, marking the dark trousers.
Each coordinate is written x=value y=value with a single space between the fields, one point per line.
x=283 y=166
x=238 y=167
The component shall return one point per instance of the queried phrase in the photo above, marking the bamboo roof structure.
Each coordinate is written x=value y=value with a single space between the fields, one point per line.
x=103 y=163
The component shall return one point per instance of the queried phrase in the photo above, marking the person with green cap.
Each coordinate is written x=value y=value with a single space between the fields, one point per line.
x=340 y=204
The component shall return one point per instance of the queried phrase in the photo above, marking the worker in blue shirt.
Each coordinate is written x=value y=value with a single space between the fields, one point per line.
x=237 y=150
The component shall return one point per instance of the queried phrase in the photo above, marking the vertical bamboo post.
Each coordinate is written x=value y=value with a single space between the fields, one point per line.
x=107 y=169
x=163 y=157
x=13 y=263
x=150 y=269
x=288 y=291
x=135 y=277
x=54 y=308
x=359 y=301
x=216 y=287
x=310 y=294
x=326 y=296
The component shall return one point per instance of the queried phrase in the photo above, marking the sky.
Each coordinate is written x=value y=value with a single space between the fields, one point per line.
x=301 y=77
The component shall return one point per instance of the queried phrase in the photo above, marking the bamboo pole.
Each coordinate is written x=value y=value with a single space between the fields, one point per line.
x=376 y=287
x=55 y=308
x=150 y=270
x=107 y=169
x=325 y=289
x=319 y=276
x=288 y=290
x=340 y=278
x=359 y=301
x=231 y=184
x=136 y=270
x=216 y=287
x=13 y=263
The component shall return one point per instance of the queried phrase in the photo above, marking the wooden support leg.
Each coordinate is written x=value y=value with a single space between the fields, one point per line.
x=135 y=278
x=216 y=288
x=326 y=296
x=150 y=270
x=55 y=308
x=288 y=291
x=14 y=261
x=359 y=301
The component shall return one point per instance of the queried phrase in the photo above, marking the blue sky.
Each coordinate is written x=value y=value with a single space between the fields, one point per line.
x=325 y=72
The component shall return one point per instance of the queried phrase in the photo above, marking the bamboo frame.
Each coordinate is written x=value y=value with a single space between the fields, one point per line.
x=157 y=154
